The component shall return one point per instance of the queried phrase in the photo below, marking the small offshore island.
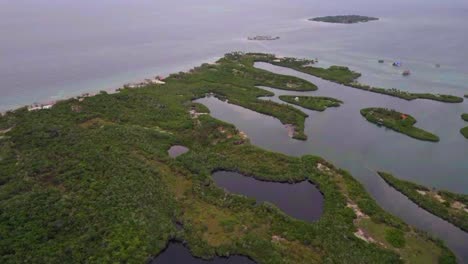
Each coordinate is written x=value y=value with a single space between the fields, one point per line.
x=399 y=122
x=91 y=180
x=344 y=19
x=263 y=37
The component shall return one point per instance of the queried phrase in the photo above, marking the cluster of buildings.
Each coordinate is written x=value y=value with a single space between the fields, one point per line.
x=156 y=80
x=36 y=107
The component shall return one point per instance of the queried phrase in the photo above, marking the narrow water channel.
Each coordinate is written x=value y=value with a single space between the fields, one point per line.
x=443 y=165
x=177 y=253
x=300 y=200
x=341 y=136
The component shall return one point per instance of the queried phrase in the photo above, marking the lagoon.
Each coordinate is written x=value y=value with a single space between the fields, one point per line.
x=299 y=200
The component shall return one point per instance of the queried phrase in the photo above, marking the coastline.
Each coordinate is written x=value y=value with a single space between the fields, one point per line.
x=139 y=115
x=109 y=84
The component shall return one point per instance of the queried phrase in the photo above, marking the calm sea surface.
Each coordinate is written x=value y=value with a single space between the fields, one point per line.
x=53 y=49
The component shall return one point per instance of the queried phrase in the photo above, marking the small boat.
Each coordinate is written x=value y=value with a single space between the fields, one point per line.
x=397 y=64
x=381 y=61
x=406 y=73
x=437 y=65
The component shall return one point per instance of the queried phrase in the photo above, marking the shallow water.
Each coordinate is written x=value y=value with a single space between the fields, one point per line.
x=59 y=48
x=300 y=200
x=176 y=253
x=341 y=134
x=277 y=139
x=177 y=150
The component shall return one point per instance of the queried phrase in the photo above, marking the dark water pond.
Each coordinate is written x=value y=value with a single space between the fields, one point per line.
x=300 y=200
x=176 y=253
x=177 y=150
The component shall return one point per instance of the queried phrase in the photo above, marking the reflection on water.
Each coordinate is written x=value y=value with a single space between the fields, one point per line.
x=300 y=200
x=176 y=253
x=338 y=139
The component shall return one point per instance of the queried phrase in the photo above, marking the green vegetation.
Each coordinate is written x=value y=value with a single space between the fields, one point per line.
x=349 y=19
x=311 y=102
x=465 y=117
x=447 y=205
x=343 y=75
x=90 y=181
x=464 y=131
x=398 y=122
x=395 y=237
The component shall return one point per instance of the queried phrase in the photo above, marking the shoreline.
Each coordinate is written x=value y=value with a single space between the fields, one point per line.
x=111 y=84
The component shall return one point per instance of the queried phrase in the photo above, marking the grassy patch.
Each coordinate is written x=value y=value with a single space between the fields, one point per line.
x=397 y=121
x=414 y=249
x=395 y=237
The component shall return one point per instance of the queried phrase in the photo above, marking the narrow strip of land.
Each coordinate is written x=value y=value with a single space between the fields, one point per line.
x=316 y=103
x=347 y=19
x=347 y=77
x=450 y=206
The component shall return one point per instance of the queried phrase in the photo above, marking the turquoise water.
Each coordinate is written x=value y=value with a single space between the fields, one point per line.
x=54 y=49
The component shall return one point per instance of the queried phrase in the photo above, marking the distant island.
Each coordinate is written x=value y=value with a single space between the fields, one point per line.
x=348 y=19
x=263 y=38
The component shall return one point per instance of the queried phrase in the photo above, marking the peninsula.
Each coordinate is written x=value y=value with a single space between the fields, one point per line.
x=346 y=19
x=343 y=75
x=399 y=122
x=450 y=206
x=91 y=180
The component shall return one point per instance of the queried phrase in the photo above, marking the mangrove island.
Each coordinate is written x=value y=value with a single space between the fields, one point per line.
x=346 y=19
x=399 y=122
x=464 y=131
x=465 y=117
x=261 y=37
